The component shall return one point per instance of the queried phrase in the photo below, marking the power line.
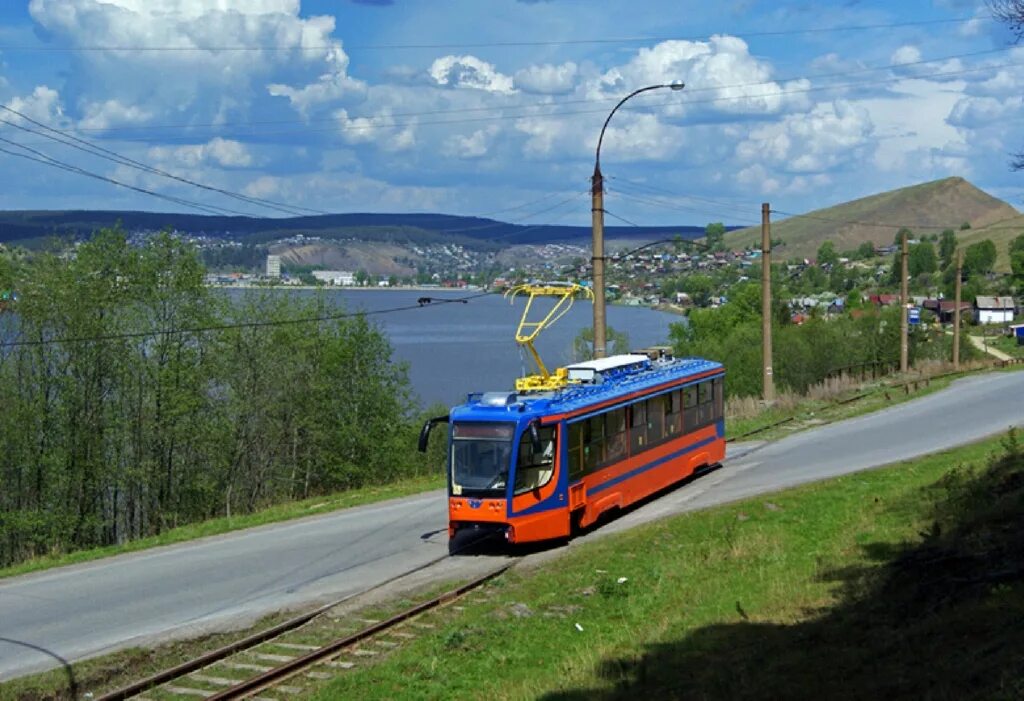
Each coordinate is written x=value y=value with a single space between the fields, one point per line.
x=107 y=154
x=494 y=44
x=682 y=208
x=40 y=157
x=420 y=304
x=540 y=105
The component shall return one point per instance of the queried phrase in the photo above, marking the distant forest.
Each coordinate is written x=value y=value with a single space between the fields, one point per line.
x=35 y=226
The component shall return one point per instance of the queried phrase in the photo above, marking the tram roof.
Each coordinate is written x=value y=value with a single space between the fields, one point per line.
x=640 y=376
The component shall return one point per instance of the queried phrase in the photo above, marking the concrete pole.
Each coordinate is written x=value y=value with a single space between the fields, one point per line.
x=768 y=381
x=597 y=220
x=956 y=310
x=904 y=309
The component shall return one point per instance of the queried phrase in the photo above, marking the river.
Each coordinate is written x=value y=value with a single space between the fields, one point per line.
x=454 y=349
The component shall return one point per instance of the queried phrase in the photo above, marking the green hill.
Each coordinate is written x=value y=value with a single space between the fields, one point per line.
x=924 y=209
x=1001 y=233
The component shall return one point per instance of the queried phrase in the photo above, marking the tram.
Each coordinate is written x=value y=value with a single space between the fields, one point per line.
x=566 y=447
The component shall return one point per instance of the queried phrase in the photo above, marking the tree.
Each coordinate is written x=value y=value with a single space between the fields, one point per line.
x=827 y=254
x=980 y=258
x=616 y=342
x=921 y=259
x=897 y=240
x=699 y=287
x=1017 y=263
x=866 y=250
x=714 y=234
x=947 y=247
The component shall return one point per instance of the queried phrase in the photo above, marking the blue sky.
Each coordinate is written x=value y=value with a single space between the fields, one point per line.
x=483 y=107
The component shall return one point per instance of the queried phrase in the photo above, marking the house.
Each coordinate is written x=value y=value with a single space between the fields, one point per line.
x=885 y=300
x=994 y=310
x=944 y=310
x=335 y=277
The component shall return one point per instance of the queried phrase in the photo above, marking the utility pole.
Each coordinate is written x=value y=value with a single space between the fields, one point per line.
x=956 y=310
x=904 y=309
x=597 y=221
x=766 y=305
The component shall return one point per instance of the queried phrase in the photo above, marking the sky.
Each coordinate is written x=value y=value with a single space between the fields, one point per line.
x=494 y=107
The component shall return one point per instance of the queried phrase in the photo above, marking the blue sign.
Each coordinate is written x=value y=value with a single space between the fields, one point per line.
x=914 y=315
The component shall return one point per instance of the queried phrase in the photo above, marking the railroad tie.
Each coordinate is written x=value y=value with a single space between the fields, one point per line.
x=186 y=691
x=340 y=664
x=296 y=646
x=216 y=681
x=267 y=657
x=246 y=667
x=322 y=676
x=363 y=652
x=289 y=689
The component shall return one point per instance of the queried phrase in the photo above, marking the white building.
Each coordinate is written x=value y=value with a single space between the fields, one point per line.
x=340 y=278
x=994 y=310
x=274 y=266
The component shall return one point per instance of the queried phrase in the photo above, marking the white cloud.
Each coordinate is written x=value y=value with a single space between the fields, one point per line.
x=547 y=79
x=907 y=61
x=471 y=146
x=42 y=105
x=102 y=115
x=221 y=152
x=382 y=130
x=470 y=72
x=225 y=53
x=829 y=136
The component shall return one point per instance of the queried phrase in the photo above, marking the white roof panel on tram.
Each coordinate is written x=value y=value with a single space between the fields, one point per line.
x=611 y=363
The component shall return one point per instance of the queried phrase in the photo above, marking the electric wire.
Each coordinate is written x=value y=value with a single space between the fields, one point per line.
x=40 y=157
x=422 y=303
x=92 y=149
x=496 y=44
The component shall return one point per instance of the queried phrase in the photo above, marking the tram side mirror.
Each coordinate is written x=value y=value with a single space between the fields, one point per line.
x=425 y=431
x=535 y=437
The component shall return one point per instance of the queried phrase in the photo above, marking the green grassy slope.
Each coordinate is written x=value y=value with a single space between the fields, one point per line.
x=1001 y=233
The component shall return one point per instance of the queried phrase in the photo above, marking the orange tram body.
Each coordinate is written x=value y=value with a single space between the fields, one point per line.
x=537 y=465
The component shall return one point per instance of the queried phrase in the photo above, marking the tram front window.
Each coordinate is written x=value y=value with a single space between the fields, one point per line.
x=481 y=458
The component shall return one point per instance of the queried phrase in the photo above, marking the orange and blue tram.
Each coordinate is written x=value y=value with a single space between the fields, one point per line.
x=537 y=465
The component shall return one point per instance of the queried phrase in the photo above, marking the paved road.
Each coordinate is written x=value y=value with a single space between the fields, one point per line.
x=83 y=610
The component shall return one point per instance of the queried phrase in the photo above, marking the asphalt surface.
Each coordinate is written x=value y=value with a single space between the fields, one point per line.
x=80 y=611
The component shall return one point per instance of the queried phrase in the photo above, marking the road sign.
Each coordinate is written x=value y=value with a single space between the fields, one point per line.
x=914 y=315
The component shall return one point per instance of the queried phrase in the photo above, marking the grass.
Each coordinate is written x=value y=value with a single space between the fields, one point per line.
x=218 y=526
x=902 y=582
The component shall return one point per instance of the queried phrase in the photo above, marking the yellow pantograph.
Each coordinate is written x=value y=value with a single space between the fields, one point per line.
x=529 y=330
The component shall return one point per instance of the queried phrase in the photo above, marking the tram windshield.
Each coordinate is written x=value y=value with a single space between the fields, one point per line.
x=481 y=458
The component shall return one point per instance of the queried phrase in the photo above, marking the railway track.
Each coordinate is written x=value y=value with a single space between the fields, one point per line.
x=297 y=656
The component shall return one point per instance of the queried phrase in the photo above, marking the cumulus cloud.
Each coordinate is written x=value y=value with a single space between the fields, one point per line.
x=721 y=77
x=547 y=79
x=907 y=61
x=220 y=152
x=470 y=72
x=222 y=53
x=107 y=113
x=43 y=105
x=381 y=129
x=829 y=136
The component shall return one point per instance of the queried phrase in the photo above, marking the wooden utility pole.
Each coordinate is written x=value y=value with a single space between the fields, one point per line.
x=904 y=303
x=766 y=304
x=597 y=219
x=956 y=310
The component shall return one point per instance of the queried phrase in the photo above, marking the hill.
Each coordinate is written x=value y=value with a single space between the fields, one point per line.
x=421 y=228
x=924 y=209
x=1001 y=234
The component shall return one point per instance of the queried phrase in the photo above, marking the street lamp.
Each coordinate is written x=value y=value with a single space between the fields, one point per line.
x=597 y=217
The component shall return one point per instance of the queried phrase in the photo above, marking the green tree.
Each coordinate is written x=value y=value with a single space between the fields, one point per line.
x=714 y=233
x=921 y=259
x=827 y=254
x=866 y=250
x=616 y=342
x=699 y=287
x=1017 y=263
x=980 y=257
x=947 y=247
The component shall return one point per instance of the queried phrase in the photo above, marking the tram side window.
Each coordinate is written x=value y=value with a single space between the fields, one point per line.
x=690 y=408
x=637 y=428
x=706 y=395
x=593 y=442
x=719 y=392
x=673 y=412
x=655 y=420
x=615 y=427
x=576 y=468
